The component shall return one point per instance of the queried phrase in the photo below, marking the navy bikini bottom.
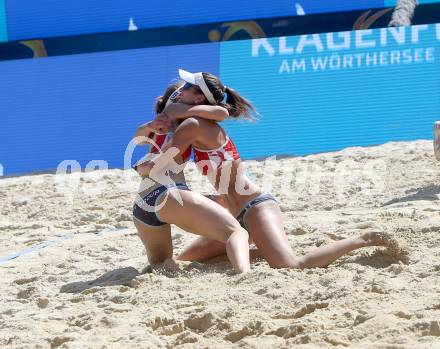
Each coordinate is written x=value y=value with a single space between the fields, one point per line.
x=241 y=217
x=144 y=209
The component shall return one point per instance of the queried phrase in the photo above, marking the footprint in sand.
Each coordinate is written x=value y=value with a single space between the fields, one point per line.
x=121 y=299
x=252 y=329
x=26 y=294
x=303 y=311
x=402 y=315
x=186 y=337
x=58 y=341
x=83 y=320
x=308 y=309
x=25 y=280
x=288 y=331
x=108 y=322
x=361 y=318
x=199 y=322
x=166 y=326
x=42 y=303
x=427 y=328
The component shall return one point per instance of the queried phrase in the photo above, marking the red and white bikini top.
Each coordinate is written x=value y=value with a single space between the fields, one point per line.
x=212 y=160
x=160 y=140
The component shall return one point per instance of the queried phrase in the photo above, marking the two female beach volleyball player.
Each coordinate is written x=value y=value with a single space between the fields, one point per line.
x=154 y=209
x=217 y=157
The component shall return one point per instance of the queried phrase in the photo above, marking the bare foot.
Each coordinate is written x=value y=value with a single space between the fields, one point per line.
x=393 y=248
x=167 y=266
x=377 y=238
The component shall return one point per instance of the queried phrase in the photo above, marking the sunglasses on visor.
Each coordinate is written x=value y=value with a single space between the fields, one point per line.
x=188 y=86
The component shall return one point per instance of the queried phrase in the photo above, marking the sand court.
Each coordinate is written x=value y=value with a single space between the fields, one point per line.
x=87 y=287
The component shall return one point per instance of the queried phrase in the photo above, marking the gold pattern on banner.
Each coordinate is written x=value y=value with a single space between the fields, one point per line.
x=365 y=22
x=37 y=47
x=252 y=28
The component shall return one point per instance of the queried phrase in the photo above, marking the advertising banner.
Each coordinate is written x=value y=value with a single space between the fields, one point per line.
x=314 y=93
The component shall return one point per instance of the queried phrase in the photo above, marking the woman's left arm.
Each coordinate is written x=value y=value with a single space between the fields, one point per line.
x=180 y=111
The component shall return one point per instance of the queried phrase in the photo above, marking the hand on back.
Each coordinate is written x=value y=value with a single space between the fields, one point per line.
x=161 y=124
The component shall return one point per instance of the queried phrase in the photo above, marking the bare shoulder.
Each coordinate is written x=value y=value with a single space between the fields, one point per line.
x=191 y=127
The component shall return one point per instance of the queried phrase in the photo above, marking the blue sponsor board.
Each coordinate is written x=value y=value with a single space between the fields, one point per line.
x=28 y=19
x=319 y=6
x=3 y=27
x=201 y=33
x=48 y=18
x=324 y=92
x=85 y=107
x=315 y=93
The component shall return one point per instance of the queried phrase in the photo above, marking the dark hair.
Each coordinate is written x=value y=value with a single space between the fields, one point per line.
x=235 y=104
x=161 y=101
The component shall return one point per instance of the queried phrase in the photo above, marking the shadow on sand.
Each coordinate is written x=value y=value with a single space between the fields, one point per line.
x=431 y=193
x=126 y=276
x=122 y=276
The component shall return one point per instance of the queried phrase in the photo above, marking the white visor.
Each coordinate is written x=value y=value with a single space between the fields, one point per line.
x=198 y=80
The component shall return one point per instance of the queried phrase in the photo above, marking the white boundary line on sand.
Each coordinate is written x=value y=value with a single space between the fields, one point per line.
x=49 y=243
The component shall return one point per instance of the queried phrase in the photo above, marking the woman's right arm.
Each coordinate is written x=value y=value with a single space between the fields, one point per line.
x=180 y=111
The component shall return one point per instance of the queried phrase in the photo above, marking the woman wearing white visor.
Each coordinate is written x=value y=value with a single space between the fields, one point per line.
x=164 y=199
x=217 y=157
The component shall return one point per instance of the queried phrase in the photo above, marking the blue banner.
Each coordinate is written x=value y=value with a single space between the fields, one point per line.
x=320 y=6
x=85 y=107
x=315 y=93
x=324 y=92
x=3 y=26
x=28 y=19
